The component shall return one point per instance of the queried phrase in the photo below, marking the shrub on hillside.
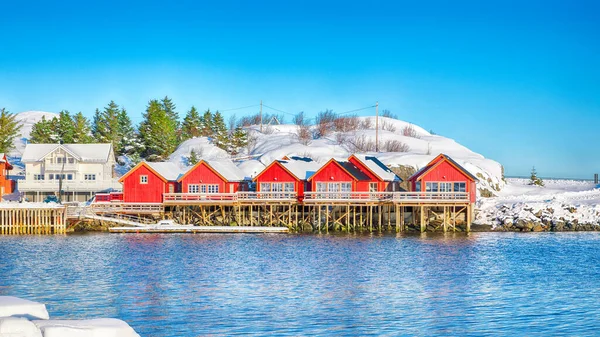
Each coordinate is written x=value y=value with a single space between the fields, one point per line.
x=410 y=131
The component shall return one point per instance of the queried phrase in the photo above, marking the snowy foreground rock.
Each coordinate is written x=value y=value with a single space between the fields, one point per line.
x=24 y=318
x=562 y=205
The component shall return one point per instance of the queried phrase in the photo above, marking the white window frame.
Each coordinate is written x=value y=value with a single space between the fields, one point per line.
x=373 y=187
x=193 y=188
x=143 y=179
x=460 y=187
x=92 y=177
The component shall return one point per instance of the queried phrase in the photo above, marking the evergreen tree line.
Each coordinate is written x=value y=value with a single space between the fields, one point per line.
x=155 y=138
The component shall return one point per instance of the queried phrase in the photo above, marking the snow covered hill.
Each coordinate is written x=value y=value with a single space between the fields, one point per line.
x=277 y=141
x=27 y=118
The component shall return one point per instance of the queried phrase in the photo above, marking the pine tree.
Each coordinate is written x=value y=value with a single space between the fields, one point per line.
x=192 y=122
x=534 y=179
x=42 y=132
x=106 y=126
x=82 y=133
x=129 y=140
x=193 y=159
x=239 y=140
x=219 y=131
x=207 y=124
x=169 y=107
x=9 y=130
x=158 y=133
x=63 y=126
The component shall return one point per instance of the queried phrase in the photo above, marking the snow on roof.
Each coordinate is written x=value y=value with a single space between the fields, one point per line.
x=167 y=169
x=2 y=158
x=227 y=169
x=353 y=170
x=83 y=152
x=377 y=167
x=300 y=168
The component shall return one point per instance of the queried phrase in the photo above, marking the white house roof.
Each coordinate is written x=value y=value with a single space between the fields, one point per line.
x=168 y=170
x=2 y=158
x=377 y=167
x=227 y=169
x=83 y=152
x=300 y=168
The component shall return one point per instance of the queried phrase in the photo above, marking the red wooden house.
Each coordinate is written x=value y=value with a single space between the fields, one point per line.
x=382 y=179
x=443 y=174
x=6 y=185
x=214 y=176
x=340 y=176
x=286 y=176
x=146 y=182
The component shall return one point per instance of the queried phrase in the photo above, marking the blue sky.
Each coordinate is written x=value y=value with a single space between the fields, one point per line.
x=516 y=81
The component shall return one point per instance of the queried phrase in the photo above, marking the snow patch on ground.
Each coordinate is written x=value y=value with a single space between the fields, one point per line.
x=559 y=202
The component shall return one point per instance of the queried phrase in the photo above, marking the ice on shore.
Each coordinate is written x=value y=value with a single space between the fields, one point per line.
x=18 y=327
x=24 y=318
x=101 y=327
x=17 y=307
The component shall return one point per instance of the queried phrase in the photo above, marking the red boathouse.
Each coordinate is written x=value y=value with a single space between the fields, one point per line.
x=340 y=176
x=214 y=176
x=443 y=174
x=286 y=176
x=6 y=185
x=382 y=179
x=146 y=182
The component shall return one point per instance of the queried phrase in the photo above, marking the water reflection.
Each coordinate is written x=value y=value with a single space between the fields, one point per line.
x=345 y=284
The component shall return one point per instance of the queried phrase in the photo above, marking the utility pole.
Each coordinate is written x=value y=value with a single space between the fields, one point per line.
x=261 y=122
x=376 y=126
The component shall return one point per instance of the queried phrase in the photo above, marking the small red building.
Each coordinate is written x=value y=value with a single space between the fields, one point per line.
x=286 y=176
x=6 y=185
x=382 y=179
x=443 y=174
x=340 y=176
x=214 y=176
x=146 y=182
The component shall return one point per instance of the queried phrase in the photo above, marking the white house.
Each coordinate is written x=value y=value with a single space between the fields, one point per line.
x=78 y=170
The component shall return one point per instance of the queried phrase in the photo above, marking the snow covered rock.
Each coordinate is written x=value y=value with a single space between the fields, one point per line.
x=101 y=327
x=18 y=327
x=16 y=307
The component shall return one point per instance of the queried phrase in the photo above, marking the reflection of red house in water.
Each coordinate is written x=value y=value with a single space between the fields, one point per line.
x=6 y=185
x=443 y=174
x=146 y=182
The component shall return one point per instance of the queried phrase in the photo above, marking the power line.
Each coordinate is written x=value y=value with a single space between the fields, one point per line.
x=266 y=106
x=240 y=108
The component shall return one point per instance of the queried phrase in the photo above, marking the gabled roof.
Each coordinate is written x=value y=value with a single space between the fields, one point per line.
x=437 y=161
x=348 y=167
x=224 y=168
x=166 y=171
x=4 y=160
x=377 y=167
x=305 y=159
x=94 y=153
x=300 y=169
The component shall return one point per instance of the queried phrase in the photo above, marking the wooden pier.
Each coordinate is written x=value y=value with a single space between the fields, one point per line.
x=32 y=219
x=200 y=229
x=319 y=211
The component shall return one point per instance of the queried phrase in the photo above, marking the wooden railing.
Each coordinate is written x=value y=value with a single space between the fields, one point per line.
x=198 y=197
x=127 y=208
x=431 y=196
x=347 y=196
x=249 y=196
x=387 y=196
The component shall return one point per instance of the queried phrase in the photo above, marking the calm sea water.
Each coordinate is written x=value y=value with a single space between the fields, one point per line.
x=195 y=285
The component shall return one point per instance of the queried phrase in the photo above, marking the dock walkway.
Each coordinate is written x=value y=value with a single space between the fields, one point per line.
x=198 y=229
